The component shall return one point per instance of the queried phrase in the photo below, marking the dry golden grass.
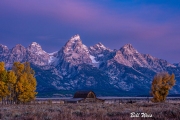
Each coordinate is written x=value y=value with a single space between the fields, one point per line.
x=91 y=111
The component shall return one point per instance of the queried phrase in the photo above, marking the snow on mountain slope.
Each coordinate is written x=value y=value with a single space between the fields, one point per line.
x=93 y=59
x=133 y=57
x=53 y=58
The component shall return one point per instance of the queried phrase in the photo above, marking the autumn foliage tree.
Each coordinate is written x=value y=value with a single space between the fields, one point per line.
x=26 y=84
x=161 y=85
x=17 y=85
x=11 y=81
x=3 y=82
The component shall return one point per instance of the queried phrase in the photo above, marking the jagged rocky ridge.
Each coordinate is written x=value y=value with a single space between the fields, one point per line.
x=78 y=67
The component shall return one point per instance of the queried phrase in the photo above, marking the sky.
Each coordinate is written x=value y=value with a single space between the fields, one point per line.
x=151 y=26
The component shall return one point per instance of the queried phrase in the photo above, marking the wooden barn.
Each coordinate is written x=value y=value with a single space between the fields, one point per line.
x=84 y=97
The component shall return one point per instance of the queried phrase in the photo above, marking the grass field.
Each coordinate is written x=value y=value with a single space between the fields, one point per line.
x=91 y=111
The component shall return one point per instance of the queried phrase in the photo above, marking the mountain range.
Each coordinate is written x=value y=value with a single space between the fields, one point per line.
x=122 y=72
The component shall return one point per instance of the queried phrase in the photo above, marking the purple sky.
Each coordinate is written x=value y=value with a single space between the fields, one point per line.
x=152 y=27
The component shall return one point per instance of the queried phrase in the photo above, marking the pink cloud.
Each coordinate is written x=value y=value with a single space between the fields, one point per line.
x=99 y=19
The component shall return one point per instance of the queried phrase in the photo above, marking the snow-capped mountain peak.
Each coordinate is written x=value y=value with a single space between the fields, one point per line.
x=34 y=43
x=75 y=45
x=129 y=56
x=75 y=38
x=18 y=48
x=129 y=46
x=100 y=45
x=74 y=52
x=128 y=49
x=36 y=49
x=3 y=48
x=37 y=55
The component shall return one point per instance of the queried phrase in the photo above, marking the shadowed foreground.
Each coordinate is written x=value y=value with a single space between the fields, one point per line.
x=89 y=111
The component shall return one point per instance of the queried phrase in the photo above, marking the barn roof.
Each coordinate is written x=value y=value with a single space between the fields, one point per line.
x=83 y=94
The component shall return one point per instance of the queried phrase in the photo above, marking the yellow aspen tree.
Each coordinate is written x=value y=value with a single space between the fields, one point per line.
x=161 y=85
x=2 y=67
x=22 y=88
x=3 y=82
x=18 y=69
x=12 y=79
x=31 y=87
x=3 y=90
x=25 y=85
